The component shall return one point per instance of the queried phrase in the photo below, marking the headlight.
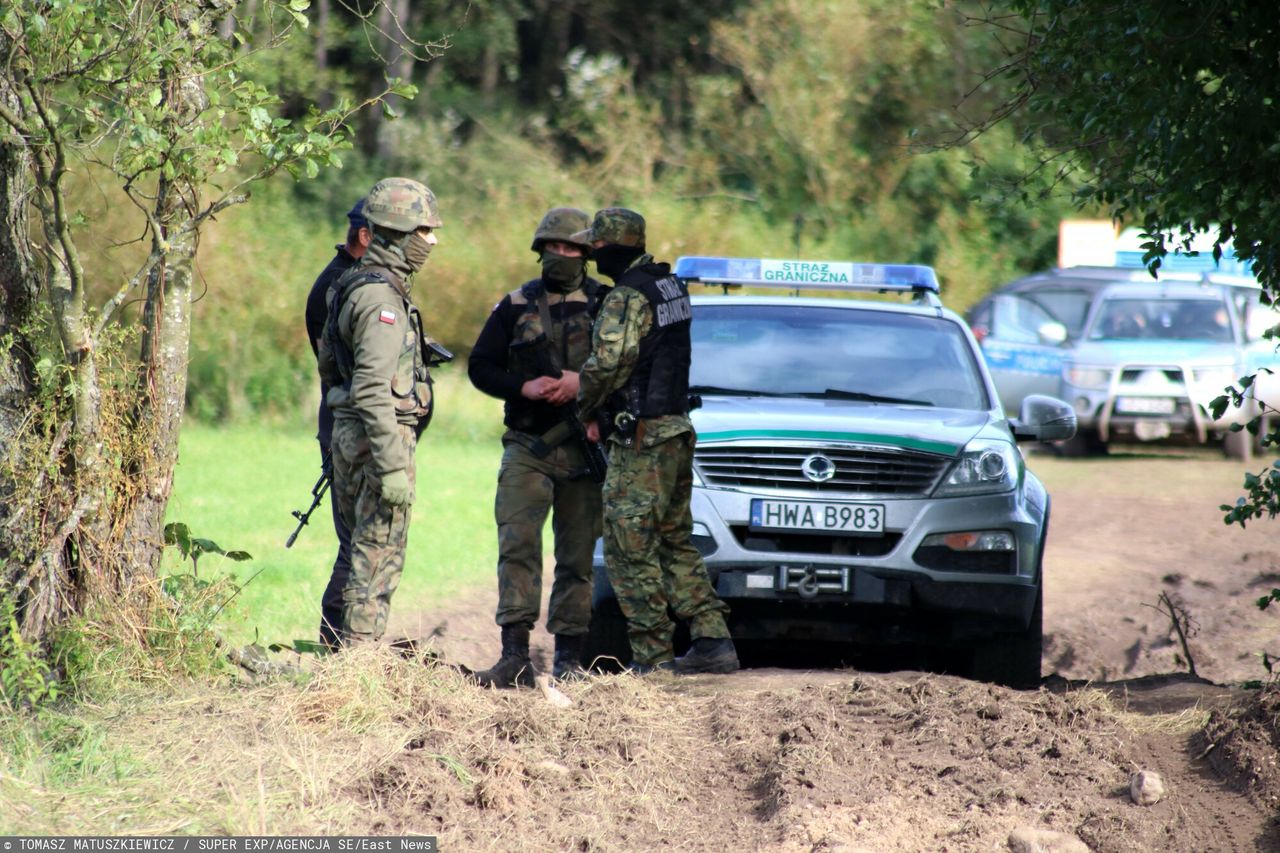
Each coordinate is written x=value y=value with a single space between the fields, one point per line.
x=1086 y=376
x=1217 y=376
x=985 y=465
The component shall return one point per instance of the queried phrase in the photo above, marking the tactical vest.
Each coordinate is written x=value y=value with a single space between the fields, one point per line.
x=411 y=384
x=545 y=346
x=659 y=383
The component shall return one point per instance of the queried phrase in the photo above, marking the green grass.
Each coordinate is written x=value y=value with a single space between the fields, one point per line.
x=237 y=486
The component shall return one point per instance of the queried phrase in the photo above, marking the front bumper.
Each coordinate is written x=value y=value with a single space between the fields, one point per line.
x=840 y=587
x=1134 y=405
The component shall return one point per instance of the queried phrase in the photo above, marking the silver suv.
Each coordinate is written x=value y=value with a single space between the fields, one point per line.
x=855 y=478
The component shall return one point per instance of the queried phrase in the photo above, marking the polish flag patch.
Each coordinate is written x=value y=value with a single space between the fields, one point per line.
x=387 y=317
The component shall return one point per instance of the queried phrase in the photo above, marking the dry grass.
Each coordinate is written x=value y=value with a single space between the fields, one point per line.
x=372 y=743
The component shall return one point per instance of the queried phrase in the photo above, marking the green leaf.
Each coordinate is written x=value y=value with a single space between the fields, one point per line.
x=155 y=97
x=238 y=556
x=177 y=533
x=207 y=546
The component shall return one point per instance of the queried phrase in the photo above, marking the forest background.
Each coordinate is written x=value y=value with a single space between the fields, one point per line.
x=770 y=128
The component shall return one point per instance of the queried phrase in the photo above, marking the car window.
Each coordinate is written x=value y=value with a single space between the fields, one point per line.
x=1068 y=307
x=1161 y=319
x=810 y=350
x=1018 y=319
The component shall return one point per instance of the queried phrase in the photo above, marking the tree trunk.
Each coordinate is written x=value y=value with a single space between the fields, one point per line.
x=19 y=289
x=321 y=55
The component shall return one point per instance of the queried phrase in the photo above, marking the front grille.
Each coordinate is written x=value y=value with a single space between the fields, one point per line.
x=1131 y=374
x=862 y=470
x=815 y=543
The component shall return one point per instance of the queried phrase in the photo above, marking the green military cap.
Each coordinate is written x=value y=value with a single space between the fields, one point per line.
x=402 y=204
x=614 y=225
x=562 y=224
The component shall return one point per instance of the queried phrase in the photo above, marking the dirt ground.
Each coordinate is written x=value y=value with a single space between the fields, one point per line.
x=803 y=759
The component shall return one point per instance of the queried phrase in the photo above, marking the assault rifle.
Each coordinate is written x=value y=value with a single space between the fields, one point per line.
x=317 y=494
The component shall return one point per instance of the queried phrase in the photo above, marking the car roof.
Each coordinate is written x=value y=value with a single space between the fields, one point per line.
x=1095 y=278
x=1163 y=289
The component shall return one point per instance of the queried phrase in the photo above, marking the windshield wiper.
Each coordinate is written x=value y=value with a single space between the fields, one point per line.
x=841 y=394
x=734 y=392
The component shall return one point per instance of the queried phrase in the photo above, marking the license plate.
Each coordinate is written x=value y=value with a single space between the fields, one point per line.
x=1146 y=405
x=820 y=517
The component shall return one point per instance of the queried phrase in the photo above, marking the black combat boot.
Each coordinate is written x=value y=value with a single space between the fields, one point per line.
x=513 y=669
x=568 y=660
x=708 y=654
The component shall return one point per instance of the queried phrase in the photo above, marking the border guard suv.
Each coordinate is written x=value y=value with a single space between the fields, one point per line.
x=855 y=478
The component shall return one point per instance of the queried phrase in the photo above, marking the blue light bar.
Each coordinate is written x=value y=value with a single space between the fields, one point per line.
x=821 y=275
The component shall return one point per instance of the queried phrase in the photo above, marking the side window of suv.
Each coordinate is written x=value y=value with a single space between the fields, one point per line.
x=1018 y=320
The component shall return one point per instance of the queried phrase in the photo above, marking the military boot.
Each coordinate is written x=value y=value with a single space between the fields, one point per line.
x=514 y=668
x=568 y=660
x=708 y=654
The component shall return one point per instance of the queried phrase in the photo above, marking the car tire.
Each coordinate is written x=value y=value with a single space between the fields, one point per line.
x=1013 y=658
x=1238 y=445
x=606 y=648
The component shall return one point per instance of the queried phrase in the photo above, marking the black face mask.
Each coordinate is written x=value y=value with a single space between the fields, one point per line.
x=562 y=274
x=614 y=259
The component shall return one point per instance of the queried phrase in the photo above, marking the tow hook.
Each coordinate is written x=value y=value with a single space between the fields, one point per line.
x=808 y=586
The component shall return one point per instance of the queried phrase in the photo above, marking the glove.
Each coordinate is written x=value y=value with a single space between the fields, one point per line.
x=396 y=489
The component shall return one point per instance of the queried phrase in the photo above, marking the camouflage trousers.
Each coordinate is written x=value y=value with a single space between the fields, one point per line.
x=379 y=531
x=528 y=488
x=651 y=561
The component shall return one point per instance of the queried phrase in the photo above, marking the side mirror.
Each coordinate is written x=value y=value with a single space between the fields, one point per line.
x=1044 y=419
x=1053 y=333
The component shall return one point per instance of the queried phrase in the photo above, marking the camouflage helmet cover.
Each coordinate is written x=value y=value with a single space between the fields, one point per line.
x=561 y=224
x=614 y=225
x=402 y=204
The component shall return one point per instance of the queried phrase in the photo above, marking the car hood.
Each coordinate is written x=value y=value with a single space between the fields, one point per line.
x=931 y=430
x=1108 y=353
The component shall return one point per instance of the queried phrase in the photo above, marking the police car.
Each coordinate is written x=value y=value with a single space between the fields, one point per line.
x=855 y=477
x=1144 y=361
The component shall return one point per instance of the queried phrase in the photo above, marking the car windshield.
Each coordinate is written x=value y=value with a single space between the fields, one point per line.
x=1161 y=319
x=834 y=353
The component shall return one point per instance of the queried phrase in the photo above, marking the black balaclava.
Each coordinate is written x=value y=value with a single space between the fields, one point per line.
x=562 y=274
x=613 y=259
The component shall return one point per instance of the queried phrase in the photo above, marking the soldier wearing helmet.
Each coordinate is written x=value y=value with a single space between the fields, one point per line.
x=374 y=357
x=528 y=355
x=635 y=388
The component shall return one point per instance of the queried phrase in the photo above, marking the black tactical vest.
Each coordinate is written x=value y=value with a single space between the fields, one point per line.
x=545 y=346
x=659 y=383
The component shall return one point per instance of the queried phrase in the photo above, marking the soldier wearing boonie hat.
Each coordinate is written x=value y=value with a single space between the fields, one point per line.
x=374 y=358
x=634 y=390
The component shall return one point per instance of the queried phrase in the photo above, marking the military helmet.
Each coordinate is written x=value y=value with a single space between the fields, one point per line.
x=561 y=224
x=614 y=225
x=401 y=204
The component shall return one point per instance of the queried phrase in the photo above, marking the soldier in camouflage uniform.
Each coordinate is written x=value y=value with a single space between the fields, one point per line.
x=374 y=359
x=528 y=355
x=635 y=388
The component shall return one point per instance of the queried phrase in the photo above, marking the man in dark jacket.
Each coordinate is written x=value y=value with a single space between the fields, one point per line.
x=358 y=236
x=528 y=355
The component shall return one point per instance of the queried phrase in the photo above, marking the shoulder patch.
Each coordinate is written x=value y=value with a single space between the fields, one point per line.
x=387 y=316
